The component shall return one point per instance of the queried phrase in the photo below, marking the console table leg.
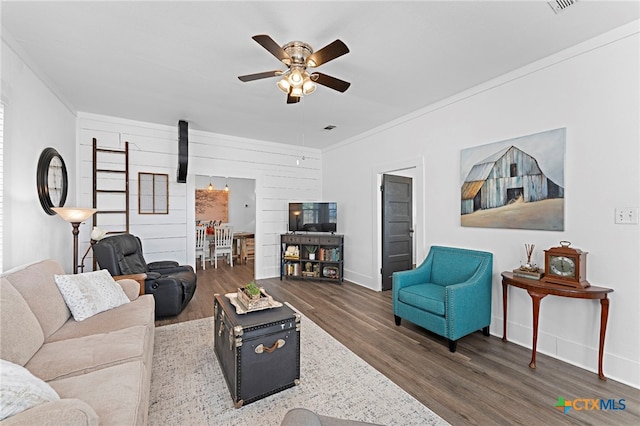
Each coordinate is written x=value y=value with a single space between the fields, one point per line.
x=504 y=311
x=604 y=315
x=535 y=299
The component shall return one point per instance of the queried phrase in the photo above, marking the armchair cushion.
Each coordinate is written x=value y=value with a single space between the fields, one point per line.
x=129 y=255
x=429 y=297
x=452 y=268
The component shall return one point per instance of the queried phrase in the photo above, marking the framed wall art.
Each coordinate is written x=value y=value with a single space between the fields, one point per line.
x=212 y=205
x=516 y=183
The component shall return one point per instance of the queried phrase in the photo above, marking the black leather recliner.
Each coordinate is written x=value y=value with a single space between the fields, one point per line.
x=172 y=285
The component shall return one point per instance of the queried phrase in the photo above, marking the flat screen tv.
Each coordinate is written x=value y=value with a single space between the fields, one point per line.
x=313 y=217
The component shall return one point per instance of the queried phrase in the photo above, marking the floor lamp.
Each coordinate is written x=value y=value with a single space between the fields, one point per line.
x=75 y=216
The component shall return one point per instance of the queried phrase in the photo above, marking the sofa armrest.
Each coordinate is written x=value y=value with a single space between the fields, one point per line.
x=136 y=277
x=68 y=412
x=131 y=288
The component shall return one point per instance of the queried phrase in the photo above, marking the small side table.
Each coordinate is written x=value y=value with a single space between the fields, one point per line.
x=538 y=290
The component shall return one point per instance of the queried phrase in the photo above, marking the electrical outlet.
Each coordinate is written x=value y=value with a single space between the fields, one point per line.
x=626 y=215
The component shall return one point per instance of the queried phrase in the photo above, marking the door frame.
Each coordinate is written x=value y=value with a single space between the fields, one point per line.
x=416 y=164
x=190 y=208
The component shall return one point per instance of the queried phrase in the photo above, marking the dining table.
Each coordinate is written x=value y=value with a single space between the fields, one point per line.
x=242 y=245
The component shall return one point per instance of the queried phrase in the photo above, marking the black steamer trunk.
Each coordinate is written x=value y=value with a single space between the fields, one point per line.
x=259 y=352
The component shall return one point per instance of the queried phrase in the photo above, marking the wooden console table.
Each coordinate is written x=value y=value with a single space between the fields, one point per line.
x=538 y=290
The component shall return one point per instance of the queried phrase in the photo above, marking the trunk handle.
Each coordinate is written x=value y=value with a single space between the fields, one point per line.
x=278 y=344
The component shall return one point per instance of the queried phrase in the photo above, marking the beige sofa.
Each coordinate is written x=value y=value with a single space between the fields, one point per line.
x=100 y=367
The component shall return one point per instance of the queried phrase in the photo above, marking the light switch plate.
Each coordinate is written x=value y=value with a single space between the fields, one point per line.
x=627 y=215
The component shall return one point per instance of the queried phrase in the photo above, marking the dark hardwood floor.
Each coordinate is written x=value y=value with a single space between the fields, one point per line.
x=487 y=381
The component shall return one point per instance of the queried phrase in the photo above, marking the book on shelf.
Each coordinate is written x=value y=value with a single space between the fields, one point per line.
x=330 y=254
x=522 y=273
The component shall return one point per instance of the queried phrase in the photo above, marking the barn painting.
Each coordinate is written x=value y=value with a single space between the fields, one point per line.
x=517 y=183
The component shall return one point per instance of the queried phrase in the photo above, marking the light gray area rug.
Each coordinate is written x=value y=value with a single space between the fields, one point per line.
x=187 y=386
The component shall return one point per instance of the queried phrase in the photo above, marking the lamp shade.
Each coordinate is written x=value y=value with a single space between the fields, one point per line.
x=74 y=214
x=295 y=78
x=283 y=84
x=308 y=86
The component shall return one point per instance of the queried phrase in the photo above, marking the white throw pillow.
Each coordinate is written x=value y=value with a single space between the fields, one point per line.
x=21 y=390
x=90 y=293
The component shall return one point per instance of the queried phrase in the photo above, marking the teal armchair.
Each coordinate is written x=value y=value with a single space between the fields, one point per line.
x=448 y=294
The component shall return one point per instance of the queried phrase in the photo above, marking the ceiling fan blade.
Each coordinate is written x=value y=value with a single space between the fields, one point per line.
x=327 y=53
x=331 y=82
x=258 y=76
x=293 y=99
x=273 y=47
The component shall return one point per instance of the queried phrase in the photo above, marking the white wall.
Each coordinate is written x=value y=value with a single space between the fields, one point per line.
x=154 y=148
x=34 y=119
x=593 y=91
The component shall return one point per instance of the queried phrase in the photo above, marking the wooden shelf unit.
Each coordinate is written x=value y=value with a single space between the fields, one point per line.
x=328 y=264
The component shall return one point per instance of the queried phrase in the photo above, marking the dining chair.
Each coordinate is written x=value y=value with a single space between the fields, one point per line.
x=202 y=245
x=222 y=244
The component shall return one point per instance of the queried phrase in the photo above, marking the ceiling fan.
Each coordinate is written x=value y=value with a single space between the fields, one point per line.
x=296 y=81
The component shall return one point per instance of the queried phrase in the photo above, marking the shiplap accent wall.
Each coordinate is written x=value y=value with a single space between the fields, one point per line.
x=154 y=148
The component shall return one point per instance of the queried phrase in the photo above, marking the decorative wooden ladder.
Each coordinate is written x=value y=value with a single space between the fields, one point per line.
x=110 y=184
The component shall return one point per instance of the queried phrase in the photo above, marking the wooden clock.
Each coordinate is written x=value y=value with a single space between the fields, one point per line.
x=565 y=266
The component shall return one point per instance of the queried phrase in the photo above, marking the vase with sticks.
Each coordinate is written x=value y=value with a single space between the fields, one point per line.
x=530 y=267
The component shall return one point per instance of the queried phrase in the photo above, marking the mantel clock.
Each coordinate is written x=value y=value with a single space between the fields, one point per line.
x=565 y=266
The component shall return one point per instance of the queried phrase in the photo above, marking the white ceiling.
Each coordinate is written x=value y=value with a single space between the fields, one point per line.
x=161 y=62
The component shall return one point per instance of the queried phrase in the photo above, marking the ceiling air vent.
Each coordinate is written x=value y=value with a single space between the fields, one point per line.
x=560 y=5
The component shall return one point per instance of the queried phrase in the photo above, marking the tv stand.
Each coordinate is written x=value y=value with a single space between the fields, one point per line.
x=312 y=257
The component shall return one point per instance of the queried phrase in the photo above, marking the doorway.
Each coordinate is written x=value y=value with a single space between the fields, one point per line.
x=232 y=201
x=397 y=226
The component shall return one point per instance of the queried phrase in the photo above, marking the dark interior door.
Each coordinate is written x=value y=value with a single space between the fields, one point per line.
x=397 y=232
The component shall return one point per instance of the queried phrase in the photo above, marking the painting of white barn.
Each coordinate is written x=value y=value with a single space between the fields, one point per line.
x=510 y=187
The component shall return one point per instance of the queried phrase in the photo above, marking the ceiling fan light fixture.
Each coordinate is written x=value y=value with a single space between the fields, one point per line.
x=283 y=84
x=296 y=92
x=295 y=78
x=298 y=79
x=308 y=86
